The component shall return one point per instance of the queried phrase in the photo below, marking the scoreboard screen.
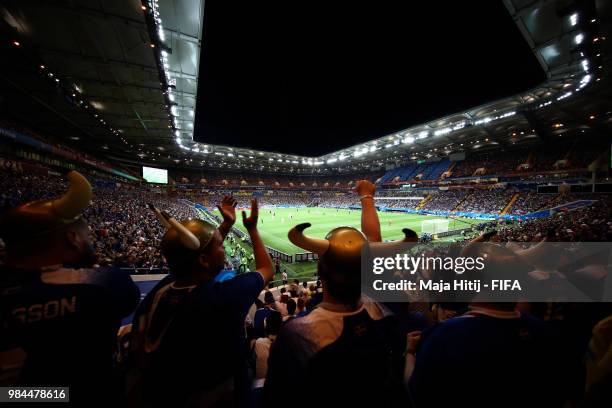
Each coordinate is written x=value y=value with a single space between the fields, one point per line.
x=153 y=175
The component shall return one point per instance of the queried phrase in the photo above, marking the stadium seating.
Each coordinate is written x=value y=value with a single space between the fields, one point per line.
x=423 y=171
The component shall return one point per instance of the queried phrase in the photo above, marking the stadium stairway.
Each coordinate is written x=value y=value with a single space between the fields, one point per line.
x=424 y=201
x=465 y=197
x=555 y=200
x=508 y=206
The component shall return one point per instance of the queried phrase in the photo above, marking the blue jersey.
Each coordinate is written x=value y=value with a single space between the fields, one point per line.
x=482 y=360
x=66 y=321
x=258 y=321
x=190 y=340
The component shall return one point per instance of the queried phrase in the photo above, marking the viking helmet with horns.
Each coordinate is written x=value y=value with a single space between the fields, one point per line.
x=191 y=234
x=183 y=239
x=40 y=217
x=341 y=247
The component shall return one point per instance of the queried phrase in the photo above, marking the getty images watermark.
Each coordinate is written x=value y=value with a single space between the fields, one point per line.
x=488 y=272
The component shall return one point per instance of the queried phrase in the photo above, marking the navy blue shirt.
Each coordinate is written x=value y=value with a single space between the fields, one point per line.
x=194 y=338
x=479 y=360
x=258 y=321
x=66 y=320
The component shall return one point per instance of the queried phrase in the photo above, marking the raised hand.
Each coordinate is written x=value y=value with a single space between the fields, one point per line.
x=228 y=209
x=250 y=223
x=365 y=188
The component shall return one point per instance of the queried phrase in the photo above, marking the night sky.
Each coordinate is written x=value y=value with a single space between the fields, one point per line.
x=312 y=77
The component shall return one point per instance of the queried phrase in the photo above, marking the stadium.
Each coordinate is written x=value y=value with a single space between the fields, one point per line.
x=191 y=191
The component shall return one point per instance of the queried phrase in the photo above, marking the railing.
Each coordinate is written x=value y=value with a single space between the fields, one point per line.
x=276 y=254
x=146 y=271
x=279 y=282
x=306 y=257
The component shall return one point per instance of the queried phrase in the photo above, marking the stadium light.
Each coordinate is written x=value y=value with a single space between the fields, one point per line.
x=574 y=19
x=459 y=125
x=565 y=95
x=423 y=134
x=483 y=121
x=585 y=65
x=442 y=131
x=578 y=38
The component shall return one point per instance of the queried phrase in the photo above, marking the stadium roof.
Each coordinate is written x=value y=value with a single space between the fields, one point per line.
x=122 y=75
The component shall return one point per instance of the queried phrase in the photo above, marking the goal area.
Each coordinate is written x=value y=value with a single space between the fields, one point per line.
x=434 y=226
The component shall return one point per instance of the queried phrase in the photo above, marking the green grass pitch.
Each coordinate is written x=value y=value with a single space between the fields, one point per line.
x=275 y=223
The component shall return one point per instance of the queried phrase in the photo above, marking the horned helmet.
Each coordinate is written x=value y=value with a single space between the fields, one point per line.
x=183 y=239
x=341 y=248
x=41 y=217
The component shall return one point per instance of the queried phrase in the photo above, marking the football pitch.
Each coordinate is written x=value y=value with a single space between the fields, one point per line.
x=274 y=223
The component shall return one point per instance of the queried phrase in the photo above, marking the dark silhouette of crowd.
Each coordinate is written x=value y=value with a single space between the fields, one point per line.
x=198 y=341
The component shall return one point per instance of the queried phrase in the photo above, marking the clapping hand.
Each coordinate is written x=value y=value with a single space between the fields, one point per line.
x=250 y=222
x=228 y=209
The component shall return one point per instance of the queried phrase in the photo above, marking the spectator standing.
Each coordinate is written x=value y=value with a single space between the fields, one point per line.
x=189 y=332
x=343 y=348
x=284 y=276
x=56 y=310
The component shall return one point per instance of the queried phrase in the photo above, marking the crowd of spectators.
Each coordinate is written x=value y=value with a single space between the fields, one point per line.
x=546 y=158
x=445 y=200
x=227 y=179
x=126 y=234
x=591 y=223
x=531 y=201
x=485 y=201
